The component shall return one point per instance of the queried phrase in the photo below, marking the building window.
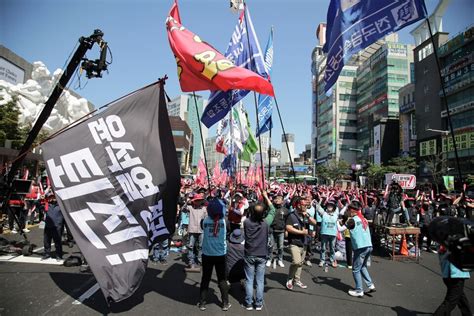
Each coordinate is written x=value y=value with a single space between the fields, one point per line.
x=427 y=108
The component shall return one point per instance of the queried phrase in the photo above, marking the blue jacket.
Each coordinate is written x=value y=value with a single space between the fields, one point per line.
x=449 y=270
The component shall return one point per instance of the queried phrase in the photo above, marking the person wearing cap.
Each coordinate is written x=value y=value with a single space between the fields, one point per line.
x=256 y=232
x=362 y=246
x=328 y=231
x=235 y=257
x=197 y=212
x=278 y=230
x=297 y=224
x=214 y=249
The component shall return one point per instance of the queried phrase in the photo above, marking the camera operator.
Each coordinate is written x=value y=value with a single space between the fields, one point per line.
x=395 y=203
x=448 y=231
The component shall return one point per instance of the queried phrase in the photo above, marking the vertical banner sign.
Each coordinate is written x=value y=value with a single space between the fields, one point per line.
x=353 y=25
x=377 y=144
x=116 y=178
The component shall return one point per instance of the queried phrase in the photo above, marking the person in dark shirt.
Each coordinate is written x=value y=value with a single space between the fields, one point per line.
x=278 y=227
x=235 y=257
x=53 y=228
x=256 y=229
x=297 y=225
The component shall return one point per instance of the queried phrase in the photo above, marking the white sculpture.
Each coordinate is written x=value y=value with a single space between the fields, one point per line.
x=32 y=95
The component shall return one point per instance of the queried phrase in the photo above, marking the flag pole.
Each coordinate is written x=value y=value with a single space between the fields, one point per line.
x=445 y=100
x=286 y=140
x=202 y=141
x=255 y=98
x=269 y=154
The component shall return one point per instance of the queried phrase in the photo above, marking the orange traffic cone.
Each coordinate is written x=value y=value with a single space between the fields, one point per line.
x=403 y=247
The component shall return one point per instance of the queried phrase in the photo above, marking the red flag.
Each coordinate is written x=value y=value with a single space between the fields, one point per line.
x=202 y=67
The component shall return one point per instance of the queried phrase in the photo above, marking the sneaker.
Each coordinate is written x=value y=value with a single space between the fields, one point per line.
x=334 y=264
x=26 y=230
x=300 y=284
x=269 y=263
x=202 y=306
x=226 y=307
x=308 y=263
x=321 y=264
x=289 y=284
x=349 y=267
x=274 y=264
x=258 y=308
x=280 y=264
x=44 y=257
x=371 y=289
x=164 y=262
x=14 y=231
x=248 y=307
x=355 y=293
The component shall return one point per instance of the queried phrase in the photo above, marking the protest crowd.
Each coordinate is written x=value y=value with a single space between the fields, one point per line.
x=244 y=230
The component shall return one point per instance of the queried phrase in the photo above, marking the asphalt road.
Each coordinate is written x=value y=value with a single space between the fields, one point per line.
x=31 y=287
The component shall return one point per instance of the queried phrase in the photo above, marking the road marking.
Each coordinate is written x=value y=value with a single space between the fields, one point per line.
x=23 y=259
x=86 y=294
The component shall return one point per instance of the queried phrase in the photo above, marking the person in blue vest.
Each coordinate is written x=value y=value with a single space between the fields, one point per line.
x=362 y=246
x=454 y=280
x=214 y=249
x=329 y=218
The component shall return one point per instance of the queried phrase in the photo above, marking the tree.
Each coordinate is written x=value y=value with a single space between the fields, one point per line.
x=9 y=127
x=336 y=169
x=402 y=165
x=322 y=173
x=375 y=174
x=436 y=165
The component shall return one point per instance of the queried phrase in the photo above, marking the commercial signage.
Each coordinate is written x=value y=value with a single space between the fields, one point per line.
x=371 y=104
x=10 y=72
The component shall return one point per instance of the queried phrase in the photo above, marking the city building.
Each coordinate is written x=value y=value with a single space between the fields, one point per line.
x=406 y=100
x=182 y=137
x=457 y=70
x=212 y=155
x=334 y=120
x=287 y=151
x=384 y=67
x=184 y=107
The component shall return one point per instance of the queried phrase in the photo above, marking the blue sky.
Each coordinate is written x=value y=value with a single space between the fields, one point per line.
x=48 y=30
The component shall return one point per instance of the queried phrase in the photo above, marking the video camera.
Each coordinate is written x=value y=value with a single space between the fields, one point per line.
x=458 y=236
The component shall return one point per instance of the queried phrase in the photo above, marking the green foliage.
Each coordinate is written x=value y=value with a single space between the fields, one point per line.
x=375 y=174
x=9 y=128
x=333 y=171
x=402 y=165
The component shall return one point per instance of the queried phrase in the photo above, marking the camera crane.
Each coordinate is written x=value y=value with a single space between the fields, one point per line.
x=93 y=69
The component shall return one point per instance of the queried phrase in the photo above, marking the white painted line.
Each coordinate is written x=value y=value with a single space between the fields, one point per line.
x=23 y=259
x=6 y=257
x=86 y=294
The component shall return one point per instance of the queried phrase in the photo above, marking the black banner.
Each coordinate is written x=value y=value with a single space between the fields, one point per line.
x=116 y=178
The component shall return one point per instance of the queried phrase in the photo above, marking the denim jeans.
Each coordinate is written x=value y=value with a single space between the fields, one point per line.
x=327 y=240
x=278 y=240
x=254 y=269
x=194 y=248
x=397 y=210
x=359 y=268
x=161 y=250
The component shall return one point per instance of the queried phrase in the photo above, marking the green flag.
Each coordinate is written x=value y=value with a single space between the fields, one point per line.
x=449 y=182
x=250 y=147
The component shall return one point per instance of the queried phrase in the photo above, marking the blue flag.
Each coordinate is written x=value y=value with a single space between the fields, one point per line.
x=265 y=101
x=241 y=54
x=353 y=25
